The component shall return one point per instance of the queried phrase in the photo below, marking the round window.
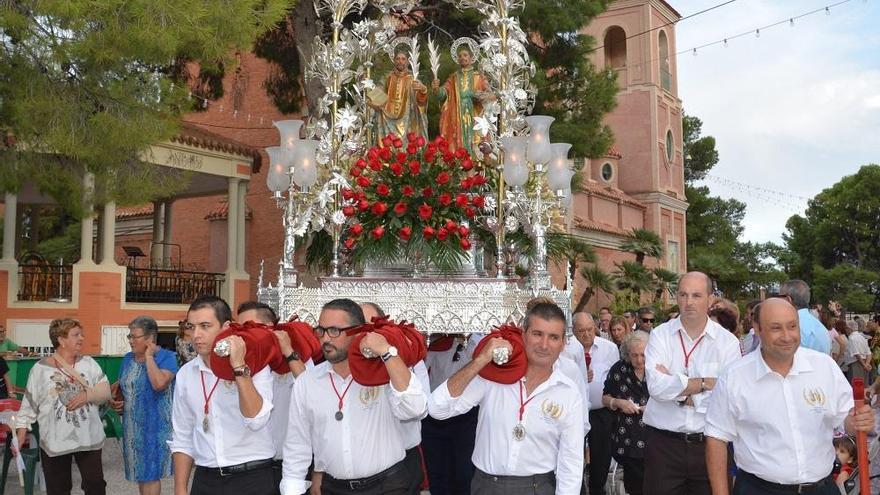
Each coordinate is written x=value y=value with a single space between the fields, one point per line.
x=670 y=146
x=607 y=172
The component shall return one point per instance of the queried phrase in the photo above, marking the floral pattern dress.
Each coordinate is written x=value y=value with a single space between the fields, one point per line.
x=628 y=434
x=146 y=419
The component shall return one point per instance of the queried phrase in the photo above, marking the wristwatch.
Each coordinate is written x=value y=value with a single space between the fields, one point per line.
x=243 y=370
x=392 y=352
x=293 y=356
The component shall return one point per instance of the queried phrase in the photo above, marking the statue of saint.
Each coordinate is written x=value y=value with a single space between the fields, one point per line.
x=463 y=95
x=405 y=107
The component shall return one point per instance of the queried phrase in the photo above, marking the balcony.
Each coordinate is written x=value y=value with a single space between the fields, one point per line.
x=151 y=285
x=40 y=281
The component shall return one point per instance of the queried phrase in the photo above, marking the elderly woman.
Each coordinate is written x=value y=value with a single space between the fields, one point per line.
x=63 y=394
x=626 y=393
x=146 y=382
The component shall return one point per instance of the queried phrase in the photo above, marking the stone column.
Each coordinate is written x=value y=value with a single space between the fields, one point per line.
x=9 y=217
x=232 y=225
x=166 y=234
x=108 y=234
x=88 y=222
x=156 y=250
x=240 y=228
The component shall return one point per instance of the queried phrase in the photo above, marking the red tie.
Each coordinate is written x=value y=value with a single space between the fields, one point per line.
x=587 y=358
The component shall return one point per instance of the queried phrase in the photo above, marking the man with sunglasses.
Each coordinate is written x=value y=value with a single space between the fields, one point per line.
x=646 y=319
x=352 y=431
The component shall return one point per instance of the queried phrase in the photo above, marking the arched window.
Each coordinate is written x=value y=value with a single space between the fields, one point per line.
x=670 y=146
x=665 y=71
x=615 y=47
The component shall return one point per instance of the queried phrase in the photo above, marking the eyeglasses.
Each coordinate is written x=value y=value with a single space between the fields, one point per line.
x=647 y=320
x=132 y=337
x=333 y=332
x=458 y=350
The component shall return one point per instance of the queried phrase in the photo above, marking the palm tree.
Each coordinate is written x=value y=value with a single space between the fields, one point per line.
x=664 y=281
x=574 y=250
x=643 y=243
x=633 y=276
x=597 y=280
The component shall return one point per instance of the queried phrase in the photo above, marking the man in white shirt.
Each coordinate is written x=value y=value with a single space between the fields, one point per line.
x=779 y=406
x=596 y=355
x=220 y=426
x=529 y=433
x=282 y=385
x=682 y=361
x=352 y=430
x=857 y=355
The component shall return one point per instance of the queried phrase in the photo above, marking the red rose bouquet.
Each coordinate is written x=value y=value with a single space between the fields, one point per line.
x=412 y=200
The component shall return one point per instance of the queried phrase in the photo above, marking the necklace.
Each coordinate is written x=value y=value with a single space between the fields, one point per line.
x=519 y=431
x=207 y=397
x=341 y=398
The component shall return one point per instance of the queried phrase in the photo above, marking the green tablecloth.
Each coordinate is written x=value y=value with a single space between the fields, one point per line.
x=19 y=368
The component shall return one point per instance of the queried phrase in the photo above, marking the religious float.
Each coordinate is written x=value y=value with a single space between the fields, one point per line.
x=430 y=229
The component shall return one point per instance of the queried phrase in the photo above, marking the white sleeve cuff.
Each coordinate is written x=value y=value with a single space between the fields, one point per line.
x=294 y=487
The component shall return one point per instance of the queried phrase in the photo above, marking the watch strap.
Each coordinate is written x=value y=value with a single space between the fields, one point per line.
x=293 y=356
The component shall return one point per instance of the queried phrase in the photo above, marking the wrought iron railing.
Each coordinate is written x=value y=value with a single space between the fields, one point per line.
x=149 y=285
x=44 y=282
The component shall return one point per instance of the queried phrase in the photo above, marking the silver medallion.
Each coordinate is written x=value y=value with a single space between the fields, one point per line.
x=519 y=432
x=338 y=415
x=205 y=424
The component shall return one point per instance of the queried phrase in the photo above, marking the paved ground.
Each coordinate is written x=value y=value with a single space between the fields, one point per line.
x=114 y=473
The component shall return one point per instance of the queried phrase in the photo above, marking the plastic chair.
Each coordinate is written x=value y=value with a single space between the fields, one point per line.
x=30 y=456
x=112 y=424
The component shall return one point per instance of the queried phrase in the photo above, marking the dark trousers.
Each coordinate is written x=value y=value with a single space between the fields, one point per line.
x=599 y=440
x=259 y=481
x=633 y=474
x=673 y=466
x=448 y=446
x=58 y=475
x=413 y=462
x=396 y=482
x=487 y=484
x=746 y=484
x=277 y=472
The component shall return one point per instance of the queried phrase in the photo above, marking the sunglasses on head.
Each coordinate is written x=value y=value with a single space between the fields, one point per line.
x=647 y=320
x=458 y=350
x=333 y=332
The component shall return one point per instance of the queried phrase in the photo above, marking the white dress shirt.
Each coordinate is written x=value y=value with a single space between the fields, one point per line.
x=412 y=428
x=282 y=387
x=717 y=348
x=571 y=370
x=368 y=439
x=441 y=364
x=856 y=345
x=231 y=438
x=781 y=427
x=553 y=421
x=603 y=355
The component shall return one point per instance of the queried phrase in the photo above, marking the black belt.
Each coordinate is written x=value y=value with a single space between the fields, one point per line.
x=238 y=468
x=687 y=437
x=531 y=479
x=799 y=488
x=364 y=483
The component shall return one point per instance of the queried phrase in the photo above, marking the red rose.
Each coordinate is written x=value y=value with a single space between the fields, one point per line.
x=465 y=244
x=356 y=229
x=478 y=180
x=445 y=199
x=382 y=190
x=404 y=233
x=349 y=211
x=360 y=163
x=410 y=136
x=415 y=167
x=398 y=142
x=349 y=243
x=378 y=232
x=425 y=211
x=467 y=183
x=420 y=141
x=478 y=201
x=411 y=148
x=363 y=205
x=427 y=192
x=375 y=165
x=396 y=169
x=385 y=154
x=387 y=140
x=363 y=181
x=347 y=193
x=463 y=231
x=355 y=172
x=470 y=212
x=373 y=153
x=448 y=158
x=461 y=200
x=451 y=225
x=379 y=208
x=400 y=208
x=467 y=164
x=401 y=157
x=427 y=232
x=432 y=147
x=461 y=153
x=442 y=234
x=442 y=178
x=407 y=190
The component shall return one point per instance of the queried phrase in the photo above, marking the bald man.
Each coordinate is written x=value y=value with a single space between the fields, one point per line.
x=683 y=358
x=779 y=406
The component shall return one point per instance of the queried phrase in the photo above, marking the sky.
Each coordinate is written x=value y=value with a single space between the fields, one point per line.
x=793 y=110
